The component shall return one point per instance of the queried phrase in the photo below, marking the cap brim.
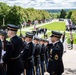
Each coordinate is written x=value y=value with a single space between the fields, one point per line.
x=51 y=36
x=55 y=36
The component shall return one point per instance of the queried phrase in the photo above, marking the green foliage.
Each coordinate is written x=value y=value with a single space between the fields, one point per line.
x=4 y=10
x=73 y=16
x=69 y=14
x=55 y=15
x=17 y=15
x=62 y=14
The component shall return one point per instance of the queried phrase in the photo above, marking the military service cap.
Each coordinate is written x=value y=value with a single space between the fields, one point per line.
x=36 y=38
x=42 y=39
x=56 y=34
x=3 y=33
x=29 y=34
x=12 y=27
x=46 y=40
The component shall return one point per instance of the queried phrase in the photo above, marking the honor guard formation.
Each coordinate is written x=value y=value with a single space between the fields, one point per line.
x=29 y=54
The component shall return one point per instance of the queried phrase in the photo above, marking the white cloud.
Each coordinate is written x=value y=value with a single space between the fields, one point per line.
x=58 y=1
x=43 y=4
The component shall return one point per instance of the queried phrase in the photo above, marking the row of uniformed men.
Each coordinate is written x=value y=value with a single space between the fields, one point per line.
x=31 y=55
x=38 y=49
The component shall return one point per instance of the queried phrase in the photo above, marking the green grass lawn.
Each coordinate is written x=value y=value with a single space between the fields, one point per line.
x=60 y=26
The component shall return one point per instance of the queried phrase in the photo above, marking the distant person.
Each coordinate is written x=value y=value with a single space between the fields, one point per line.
x=71 y=43
x=44 y=32
x=63 y=37
x=46 y=37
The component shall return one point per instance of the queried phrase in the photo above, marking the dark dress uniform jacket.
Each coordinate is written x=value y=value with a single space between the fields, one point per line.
x=12 y=57
x=55 y=59
x=0 y=49
x=42 y=54
x=37 y=54
x=1 y=69
x=27 y=55
x=47 y=53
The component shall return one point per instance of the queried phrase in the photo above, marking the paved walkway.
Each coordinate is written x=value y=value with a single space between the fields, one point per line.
x=69 y=60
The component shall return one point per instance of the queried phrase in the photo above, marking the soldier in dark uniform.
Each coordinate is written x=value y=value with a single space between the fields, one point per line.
x=23 y=38
x=28 y=53
x=2 y=51
x=55 y=66
x=42 y=55
x=1 y=67
x=63 y=37
x=12 y=56
x=46 y=53
x=44 y=32
x=37 y=55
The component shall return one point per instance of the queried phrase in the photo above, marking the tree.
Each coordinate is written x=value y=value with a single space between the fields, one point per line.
x=4 y=9
x=69 y=15
x=73 y=17
x=62 y=13
x=17 y=15
x=57 y=16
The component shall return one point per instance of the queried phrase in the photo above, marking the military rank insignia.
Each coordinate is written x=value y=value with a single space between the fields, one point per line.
x=56 y=57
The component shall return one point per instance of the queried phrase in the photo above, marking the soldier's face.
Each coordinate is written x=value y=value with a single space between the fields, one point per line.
x=53 y=39
x=28 y=39
x=41 y=42
x=36 y=42
x=9 y=33
x=1 y=37
x=46 y=43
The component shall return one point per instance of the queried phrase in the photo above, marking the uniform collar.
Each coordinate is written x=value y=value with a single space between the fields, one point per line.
x=28 y=42
x=55 y=42
x=13 y=37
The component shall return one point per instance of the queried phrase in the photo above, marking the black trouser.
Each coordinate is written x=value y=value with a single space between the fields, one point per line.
x=2 y=71
x=55 y=74
x=10 y=72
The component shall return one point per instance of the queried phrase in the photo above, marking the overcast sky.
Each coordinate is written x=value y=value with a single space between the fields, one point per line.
x=42 y=4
